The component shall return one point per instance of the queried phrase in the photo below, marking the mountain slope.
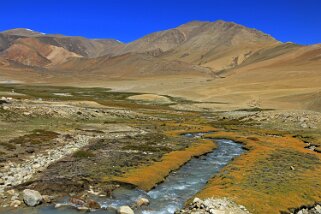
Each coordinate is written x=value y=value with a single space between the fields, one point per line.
x=218 y=45
x=79 y=45
x=128 y=65
x=31 y=52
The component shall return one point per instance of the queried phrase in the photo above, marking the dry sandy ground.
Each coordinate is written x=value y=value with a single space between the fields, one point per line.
x=286 y=86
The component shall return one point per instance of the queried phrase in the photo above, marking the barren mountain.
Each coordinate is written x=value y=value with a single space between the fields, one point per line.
x=31 y=52
x=218 y=45
x=80 y=45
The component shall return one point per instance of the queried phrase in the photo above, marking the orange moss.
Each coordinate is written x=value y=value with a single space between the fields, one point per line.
x=190 y=128
x=146 y=177
x=256 y=180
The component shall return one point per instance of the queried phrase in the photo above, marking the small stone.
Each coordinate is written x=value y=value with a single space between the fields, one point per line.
x=93 y=204
x=242 y=207
x=82 y=208
x=77 y=201
x=213 y=211
x=31 y=197
x=142 y=202
x=292 y=168
x=318 y=208
x=14 y=197
x=15 y=203
x=30 y=150
x=58 y=205
x=11 y=192
x=304 y=125
x=125 y=210
x=47 y=198
x=197 y=200
x=1 y=181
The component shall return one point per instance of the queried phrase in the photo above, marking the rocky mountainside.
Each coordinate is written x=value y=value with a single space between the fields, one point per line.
x=32 y=52
x=217 y=45
x=79 y=45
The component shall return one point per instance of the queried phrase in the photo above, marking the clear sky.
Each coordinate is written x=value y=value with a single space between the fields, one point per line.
x=298 y=21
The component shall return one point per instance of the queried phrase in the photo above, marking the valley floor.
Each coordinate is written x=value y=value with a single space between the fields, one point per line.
x=82 y=142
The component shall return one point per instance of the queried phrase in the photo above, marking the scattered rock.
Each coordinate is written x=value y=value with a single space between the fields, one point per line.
x=76 y=201
x=15 y=203
x=30 y=150
x=47 y=198
x=1 y=181
x=292 y=168
x=303 y=211
x=304 y=125
x=142 y=202
x=197 y=200
x=93 y=204
x=31 y=197
x=213 y=206
x=82 y=208
x=26 y=113
x=11 y=192
x=125 y=210
x=14 y=197
x=58 y=205
x=318 y=208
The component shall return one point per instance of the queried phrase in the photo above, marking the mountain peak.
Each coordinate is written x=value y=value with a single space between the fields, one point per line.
x=22 y=32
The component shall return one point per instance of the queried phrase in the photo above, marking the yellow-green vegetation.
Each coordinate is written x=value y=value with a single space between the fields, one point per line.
x=146 y=177
x=275 y=174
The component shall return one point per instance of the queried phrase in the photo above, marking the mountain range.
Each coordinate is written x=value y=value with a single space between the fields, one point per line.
x=214 y=50
x=193 y=47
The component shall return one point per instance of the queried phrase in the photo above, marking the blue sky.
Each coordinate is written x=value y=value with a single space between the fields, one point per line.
x=125 y=20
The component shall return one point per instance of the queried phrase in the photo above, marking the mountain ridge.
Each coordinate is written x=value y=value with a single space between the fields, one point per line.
x=217 y=46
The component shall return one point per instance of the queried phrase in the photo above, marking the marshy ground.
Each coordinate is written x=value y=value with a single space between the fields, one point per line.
x=94 y=138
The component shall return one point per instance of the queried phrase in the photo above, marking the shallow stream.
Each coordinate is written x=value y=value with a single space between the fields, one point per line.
x=170 y=195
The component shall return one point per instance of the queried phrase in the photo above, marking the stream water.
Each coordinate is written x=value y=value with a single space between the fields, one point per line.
x=170 y=195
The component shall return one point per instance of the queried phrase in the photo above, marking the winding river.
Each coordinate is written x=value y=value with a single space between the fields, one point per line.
x=170 y=195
